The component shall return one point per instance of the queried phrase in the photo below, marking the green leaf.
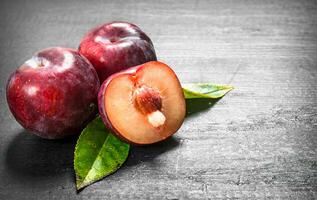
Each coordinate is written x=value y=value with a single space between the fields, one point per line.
x=98 y=153
x=205 y=90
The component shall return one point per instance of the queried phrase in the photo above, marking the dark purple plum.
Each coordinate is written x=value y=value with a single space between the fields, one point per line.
x=54 y=94
x=116 y=46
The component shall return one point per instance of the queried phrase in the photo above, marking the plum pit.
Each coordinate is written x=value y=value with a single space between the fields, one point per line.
x=149 y=102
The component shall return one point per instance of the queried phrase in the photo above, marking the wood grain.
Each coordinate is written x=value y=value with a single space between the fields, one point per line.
x=258 y=142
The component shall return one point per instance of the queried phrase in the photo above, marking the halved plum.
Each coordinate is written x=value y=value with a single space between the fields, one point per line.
x=144 y=104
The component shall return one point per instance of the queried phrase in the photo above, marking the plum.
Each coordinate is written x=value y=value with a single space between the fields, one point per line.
x=54 y=94
x=116 y=46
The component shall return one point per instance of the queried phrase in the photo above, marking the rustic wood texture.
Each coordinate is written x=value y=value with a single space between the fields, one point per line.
x=258 y=142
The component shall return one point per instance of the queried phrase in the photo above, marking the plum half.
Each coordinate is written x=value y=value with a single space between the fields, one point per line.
x=143 y=104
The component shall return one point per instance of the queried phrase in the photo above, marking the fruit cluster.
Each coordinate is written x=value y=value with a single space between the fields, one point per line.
x=56 y=92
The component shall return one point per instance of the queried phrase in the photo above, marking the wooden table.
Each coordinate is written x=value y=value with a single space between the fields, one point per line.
x=258 y=142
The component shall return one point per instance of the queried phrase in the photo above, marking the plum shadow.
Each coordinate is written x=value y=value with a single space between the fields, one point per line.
x=31 y=156
x=139 y=154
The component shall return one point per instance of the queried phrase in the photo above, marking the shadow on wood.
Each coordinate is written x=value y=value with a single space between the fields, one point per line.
x=147 y=153
x=30 y=156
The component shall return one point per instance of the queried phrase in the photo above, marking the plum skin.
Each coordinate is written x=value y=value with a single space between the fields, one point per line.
x=54 y=94
x=116 y=46
x=101 y=106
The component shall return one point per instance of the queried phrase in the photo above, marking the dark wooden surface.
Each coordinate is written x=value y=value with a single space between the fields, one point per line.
x=258 y=142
